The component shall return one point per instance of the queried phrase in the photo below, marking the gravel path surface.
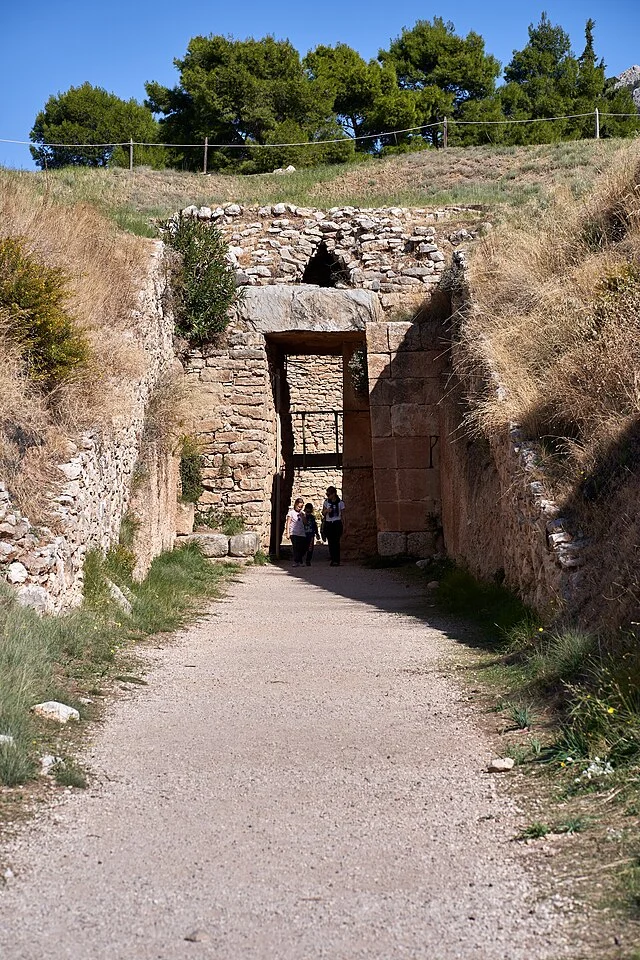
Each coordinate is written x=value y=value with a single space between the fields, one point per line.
x=299 y=780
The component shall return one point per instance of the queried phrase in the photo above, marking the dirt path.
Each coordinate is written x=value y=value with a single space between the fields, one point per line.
x=298 y=780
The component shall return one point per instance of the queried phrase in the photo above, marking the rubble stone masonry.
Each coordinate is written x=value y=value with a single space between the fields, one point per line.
x=95 y=489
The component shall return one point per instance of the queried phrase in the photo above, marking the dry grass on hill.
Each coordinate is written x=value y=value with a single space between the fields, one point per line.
x=496 y=178
x=104 y=267
x=556 y=318
x=492 y=177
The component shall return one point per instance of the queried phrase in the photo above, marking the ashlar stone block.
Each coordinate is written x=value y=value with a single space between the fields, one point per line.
x=391 y=544
x=377 y=337
x=421 y=544
x=244 y=545
x=212 y=544
x=413 y=419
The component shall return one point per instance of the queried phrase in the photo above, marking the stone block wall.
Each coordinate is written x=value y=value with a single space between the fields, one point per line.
x=311 y=485
x=232 y=395
x=232 y=405
x=408 y=366
x=395 y=255
x=95 y=491
x=393 y=251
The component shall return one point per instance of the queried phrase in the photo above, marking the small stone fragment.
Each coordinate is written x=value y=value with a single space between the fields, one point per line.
x=48 y=762
x=17 y=572
x=197 y=936
x=501 y=765
x=35 y=597
x=53 y=710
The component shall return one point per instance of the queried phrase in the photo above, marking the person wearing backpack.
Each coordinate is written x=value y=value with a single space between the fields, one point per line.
x=333 y=524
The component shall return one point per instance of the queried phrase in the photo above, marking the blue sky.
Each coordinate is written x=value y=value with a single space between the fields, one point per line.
x=47 y=47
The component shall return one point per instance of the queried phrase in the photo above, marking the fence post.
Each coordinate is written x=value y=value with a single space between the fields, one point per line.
x=206 y=151
x=445 y=133
x=597 y=124
x=131 y=154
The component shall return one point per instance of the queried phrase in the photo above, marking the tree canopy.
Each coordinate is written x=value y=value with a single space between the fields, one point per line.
x=546 y=80
x=244 y=93
x=90 y=115
x=443 y=69
x=249 y=97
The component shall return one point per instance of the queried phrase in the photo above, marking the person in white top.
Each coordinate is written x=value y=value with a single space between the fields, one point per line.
x=294 y=530
x=333 y=519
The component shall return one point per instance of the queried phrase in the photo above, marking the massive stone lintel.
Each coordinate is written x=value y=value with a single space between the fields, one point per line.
x=281 y=309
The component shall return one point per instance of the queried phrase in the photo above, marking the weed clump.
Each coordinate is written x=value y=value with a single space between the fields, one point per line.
x=68 y=774
x=228 y=523
x=204 y=283
x=190 y=470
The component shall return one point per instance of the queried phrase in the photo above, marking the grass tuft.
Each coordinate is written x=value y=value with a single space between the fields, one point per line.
x=561 y=656
x=535 y=831
x=68 y=774
x=522 y=716
x=491 y=605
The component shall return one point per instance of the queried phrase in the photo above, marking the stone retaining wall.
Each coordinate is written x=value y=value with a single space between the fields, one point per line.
x=498 y=517
x=94 y=495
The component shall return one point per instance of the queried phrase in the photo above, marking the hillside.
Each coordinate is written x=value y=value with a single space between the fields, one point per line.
x=501 y=180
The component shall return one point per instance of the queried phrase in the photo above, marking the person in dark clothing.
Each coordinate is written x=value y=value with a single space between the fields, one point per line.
x=333 y=518
x=311 y=531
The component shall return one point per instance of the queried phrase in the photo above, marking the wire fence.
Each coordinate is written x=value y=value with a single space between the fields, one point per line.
x=207 y=146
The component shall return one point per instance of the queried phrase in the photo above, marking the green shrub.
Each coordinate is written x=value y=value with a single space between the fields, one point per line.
x=190 y=470
x=205 y=285
x=33 y=298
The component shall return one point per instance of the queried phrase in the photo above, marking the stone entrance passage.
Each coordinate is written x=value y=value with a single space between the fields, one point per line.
x=324 y=432
x=336 y=348
x=241 y=402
